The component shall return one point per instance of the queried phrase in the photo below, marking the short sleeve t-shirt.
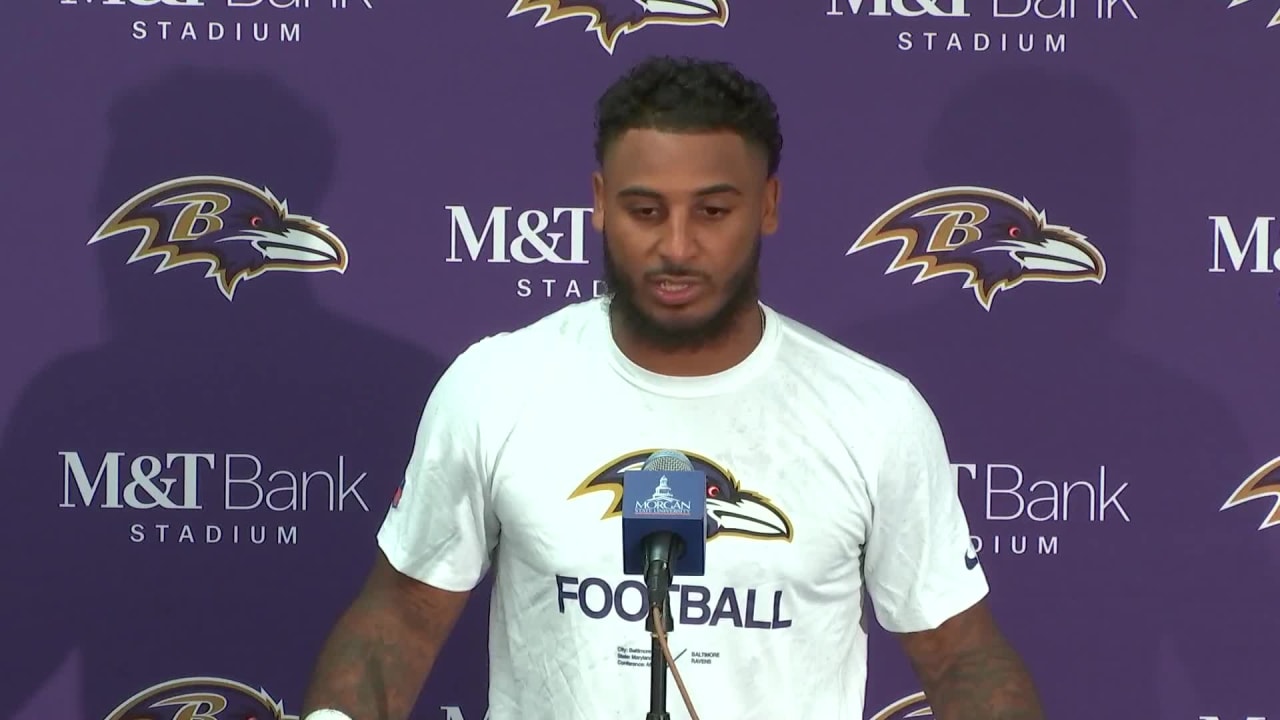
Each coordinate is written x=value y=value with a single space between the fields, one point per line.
x=828 y=481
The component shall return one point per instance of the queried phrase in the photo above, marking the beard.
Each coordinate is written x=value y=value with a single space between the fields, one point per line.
x=741 y=292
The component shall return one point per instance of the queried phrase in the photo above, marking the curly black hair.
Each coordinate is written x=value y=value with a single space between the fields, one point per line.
x=689 y=94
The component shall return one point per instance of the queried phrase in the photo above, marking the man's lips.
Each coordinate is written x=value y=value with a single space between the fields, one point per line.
x=672 y=290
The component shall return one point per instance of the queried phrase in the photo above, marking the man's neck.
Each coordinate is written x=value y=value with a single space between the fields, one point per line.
x=714 y=356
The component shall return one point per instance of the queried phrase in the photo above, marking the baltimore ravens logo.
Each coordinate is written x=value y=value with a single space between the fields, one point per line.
x=911 y=706
x=731 y=510
x=1261 y=483
x=1275 y=19
x=201 y=698
x=992 y=239
x=611 y=19
x=234 y=228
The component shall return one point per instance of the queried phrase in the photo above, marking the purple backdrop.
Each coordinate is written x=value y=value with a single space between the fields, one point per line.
x=195 y=460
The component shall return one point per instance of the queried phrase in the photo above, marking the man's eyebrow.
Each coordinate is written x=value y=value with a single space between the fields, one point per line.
x=641 y=191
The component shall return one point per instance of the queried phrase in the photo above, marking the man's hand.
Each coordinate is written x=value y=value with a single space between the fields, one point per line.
x=969 y=672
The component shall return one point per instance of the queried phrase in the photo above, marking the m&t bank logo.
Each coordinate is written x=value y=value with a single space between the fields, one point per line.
x=502 y=236
x=191 y=495
x=1238 y=250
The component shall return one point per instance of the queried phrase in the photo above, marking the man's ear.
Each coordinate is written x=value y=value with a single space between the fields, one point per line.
x=769 y=211
x=597 y=193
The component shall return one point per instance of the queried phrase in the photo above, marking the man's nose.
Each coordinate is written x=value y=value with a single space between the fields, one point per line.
x=678 y=243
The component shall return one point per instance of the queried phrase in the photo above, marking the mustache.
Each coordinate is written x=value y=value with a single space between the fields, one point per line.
x=675 y=271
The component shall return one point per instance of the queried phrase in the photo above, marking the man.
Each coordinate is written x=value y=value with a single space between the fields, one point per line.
x=840 y=459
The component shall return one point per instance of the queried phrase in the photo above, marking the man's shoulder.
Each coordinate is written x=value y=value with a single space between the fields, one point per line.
x=865 y=397
x=819 y=353
x=558 y=331
x=502 y=363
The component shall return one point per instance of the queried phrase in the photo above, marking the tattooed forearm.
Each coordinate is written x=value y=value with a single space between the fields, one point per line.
x=377 y=657
x=986 y=681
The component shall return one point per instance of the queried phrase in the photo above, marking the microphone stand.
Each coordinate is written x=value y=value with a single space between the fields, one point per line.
x=658 y=660
x=661 y=552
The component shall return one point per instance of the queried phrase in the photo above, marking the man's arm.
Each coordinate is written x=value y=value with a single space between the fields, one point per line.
x=926 y=581
x=377 y=658
x=435 y=544
x=969 y=671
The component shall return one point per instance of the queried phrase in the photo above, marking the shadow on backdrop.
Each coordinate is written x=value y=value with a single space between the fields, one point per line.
x=1039 y=382
x=271 y=375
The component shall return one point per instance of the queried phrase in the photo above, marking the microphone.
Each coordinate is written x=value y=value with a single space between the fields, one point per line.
x=664 y=533
x=664 y=522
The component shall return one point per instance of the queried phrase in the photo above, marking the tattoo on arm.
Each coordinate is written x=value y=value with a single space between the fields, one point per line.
x=970 y=672
x=377 y=657
x=983 y=683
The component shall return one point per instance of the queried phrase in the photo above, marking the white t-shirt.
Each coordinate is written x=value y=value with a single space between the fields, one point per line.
x=827 y=476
